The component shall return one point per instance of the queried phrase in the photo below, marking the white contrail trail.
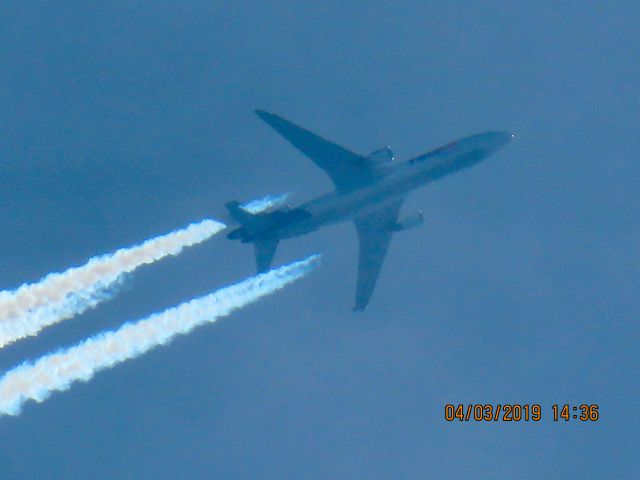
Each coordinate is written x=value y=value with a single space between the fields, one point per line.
x=265 y=203
x=57 y=371
x=31 y=307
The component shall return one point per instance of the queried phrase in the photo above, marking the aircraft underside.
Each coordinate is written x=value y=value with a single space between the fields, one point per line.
x=370 y=191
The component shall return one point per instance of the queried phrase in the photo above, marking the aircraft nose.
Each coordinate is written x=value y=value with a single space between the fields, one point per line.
x=504 y=137
x=500 y=139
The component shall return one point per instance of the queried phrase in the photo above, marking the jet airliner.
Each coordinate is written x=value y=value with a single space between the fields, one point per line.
x=369 y=190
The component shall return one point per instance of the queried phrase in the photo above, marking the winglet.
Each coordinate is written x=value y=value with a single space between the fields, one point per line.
x=275 y=121
x=262 y=113
x=268 y=117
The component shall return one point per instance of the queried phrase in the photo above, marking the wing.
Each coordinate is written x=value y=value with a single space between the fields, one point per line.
x=346 y=169
x=374 y=233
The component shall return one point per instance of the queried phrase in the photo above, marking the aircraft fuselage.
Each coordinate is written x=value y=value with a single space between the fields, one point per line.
x=395 y=182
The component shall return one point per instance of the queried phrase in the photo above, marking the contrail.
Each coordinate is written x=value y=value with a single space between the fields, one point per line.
x=262 y=204
x=31 y=307
x=57 y=371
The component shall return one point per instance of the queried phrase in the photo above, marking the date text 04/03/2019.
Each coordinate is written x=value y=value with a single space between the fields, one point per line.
x=516 y=412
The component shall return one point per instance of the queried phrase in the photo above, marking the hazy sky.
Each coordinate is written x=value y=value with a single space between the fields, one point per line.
x=124 y=121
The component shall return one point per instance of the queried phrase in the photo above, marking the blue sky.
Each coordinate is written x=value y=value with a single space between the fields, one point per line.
x=124 y=121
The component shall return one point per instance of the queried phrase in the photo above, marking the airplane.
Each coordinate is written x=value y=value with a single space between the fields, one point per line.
x=369 y=190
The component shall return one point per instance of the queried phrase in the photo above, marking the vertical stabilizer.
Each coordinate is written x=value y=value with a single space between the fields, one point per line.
x=252 y=222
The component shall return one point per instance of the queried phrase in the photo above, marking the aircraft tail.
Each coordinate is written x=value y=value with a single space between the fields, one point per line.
x=264 y=248
x=251 y=222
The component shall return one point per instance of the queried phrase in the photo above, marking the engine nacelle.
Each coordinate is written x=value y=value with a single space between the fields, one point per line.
x=381 y=156
x=407 y=223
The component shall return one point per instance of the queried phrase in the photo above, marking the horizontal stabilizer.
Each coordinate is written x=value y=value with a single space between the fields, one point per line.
x=264 y=251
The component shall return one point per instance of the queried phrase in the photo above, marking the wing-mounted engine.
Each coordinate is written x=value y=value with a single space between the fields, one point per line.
x=381 y=161
x=407 y=223
x=381 y=156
